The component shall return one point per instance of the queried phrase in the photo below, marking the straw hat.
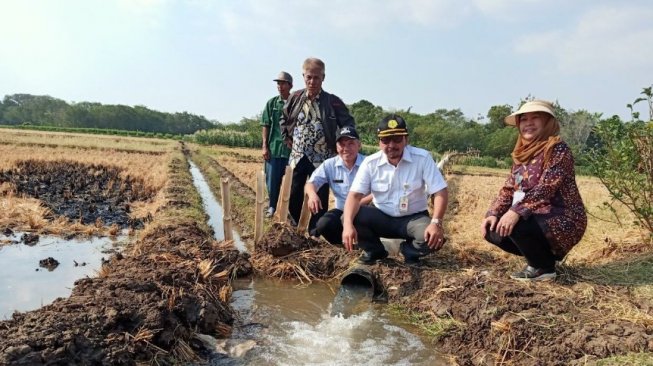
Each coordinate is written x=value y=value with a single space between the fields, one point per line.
x=532 y=106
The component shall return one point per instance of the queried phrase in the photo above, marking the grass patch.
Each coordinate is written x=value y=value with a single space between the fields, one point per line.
x=625 y=272
x=433 y=327
x=633 y=359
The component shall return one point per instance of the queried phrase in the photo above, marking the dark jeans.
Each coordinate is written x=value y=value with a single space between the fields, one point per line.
x=330 y=227
x=527 y=240
x=275 y=168
x=372 y=224
x=300 y=174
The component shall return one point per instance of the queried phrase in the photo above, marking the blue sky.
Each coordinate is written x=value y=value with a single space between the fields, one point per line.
x=218 y=58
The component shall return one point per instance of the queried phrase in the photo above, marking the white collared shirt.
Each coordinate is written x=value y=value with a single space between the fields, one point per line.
x=334 y=172
x=416 y=176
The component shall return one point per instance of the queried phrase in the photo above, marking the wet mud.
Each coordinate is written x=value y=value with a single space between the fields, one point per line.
x=148 y=307
x=90 y=194
x=283 y=253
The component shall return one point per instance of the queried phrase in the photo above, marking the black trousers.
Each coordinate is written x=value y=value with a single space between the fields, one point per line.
x=527 y=240
x=372 y=225
x=330 y=226
x=300 y=175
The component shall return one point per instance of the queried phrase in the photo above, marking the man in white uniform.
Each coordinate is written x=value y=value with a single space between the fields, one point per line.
x=399 y=177
x=338 y=172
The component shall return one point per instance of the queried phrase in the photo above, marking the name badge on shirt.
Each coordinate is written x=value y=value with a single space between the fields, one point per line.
x=403 y=201
x=403 y=204
x=518 y=196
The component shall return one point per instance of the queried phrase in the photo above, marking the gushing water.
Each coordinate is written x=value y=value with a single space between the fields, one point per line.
x=294 y=326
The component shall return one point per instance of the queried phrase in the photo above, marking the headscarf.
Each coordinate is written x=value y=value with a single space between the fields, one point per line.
x=524 y=150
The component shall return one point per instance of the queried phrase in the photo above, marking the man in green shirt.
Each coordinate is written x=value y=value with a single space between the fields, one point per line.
x=275 y=152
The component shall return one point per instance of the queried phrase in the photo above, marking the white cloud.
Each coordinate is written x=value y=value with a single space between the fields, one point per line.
x=604 y=39
x=357 y=19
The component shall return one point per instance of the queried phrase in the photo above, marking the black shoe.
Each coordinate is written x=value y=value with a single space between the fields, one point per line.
x=534 y=274
x=369 y=258
x=412 y=254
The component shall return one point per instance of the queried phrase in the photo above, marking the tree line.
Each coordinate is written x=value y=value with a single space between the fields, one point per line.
x=39 y=110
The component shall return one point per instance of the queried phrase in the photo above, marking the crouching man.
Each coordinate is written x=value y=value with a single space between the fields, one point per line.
x=399 y=177
x=338 y=172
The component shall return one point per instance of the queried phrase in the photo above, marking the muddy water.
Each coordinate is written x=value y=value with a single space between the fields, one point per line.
x=212 y=207
x=315 y=324
x=294 y=326
x=25 y=285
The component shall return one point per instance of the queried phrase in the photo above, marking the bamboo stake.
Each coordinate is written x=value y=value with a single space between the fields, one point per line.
x=258 y=217
x=305 y=217
x=225 y=189
x=282 y=204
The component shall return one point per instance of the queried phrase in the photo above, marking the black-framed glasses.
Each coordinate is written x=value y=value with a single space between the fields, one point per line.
x=396 y=139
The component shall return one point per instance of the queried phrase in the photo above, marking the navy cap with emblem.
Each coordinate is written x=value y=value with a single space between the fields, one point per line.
x=347 y=131
x=392 y=125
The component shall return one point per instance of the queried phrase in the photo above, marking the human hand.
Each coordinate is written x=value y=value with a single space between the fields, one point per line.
x=288 y=142
x=314 y=203
x=349 y=237
x=507 y=223
x=489 y=223
x=434 y=236
x=266 y=153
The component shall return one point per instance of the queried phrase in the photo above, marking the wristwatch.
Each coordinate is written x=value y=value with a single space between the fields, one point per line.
x=438 y=222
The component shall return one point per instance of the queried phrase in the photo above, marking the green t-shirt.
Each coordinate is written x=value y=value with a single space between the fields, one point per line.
x=270 y=117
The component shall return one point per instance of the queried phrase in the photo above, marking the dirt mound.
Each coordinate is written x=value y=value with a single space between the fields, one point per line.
x=88 y=193
x=145 y=307
x=283 y=253
x=486 y=319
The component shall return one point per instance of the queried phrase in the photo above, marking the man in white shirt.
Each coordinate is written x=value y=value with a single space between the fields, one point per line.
x=338 y=172
x=399 y=177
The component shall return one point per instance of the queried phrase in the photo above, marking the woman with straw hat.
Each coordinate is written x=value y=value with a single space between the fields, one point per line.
x=538 y=213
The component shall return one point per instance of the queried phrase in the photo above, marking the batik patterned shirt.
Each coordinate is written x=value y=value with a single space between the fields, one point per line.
x=550 y=194
x=308 y=136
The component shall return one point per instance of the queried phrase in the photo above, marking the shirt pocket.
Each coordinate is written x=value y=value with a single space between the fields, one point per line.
x=380 y=187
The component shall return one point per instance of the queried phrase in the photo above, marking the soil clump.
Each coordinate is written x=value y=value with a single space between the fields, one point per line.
x=145 y=307
x=283 y=253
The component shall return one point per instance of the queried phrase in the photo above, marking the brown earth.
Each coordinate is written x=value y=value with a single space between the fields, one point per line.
x=490 y=319
x=146 y=307
x=86 y=193
x=283 y=253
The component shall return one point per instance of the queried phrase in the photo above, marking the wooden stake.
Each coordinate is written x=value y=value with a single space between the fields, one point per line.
x=305 y=217
x=260 y=198
x=284 y=200
x=226 y=207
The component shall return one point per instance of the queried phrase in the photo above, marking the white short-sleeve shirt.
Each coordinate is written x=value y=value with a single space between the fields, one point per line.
x=334 y=172
x=416 y=177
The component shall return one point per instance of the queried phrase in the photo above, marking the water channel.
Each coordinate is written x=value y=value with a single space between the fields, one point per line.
x=287 y=324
